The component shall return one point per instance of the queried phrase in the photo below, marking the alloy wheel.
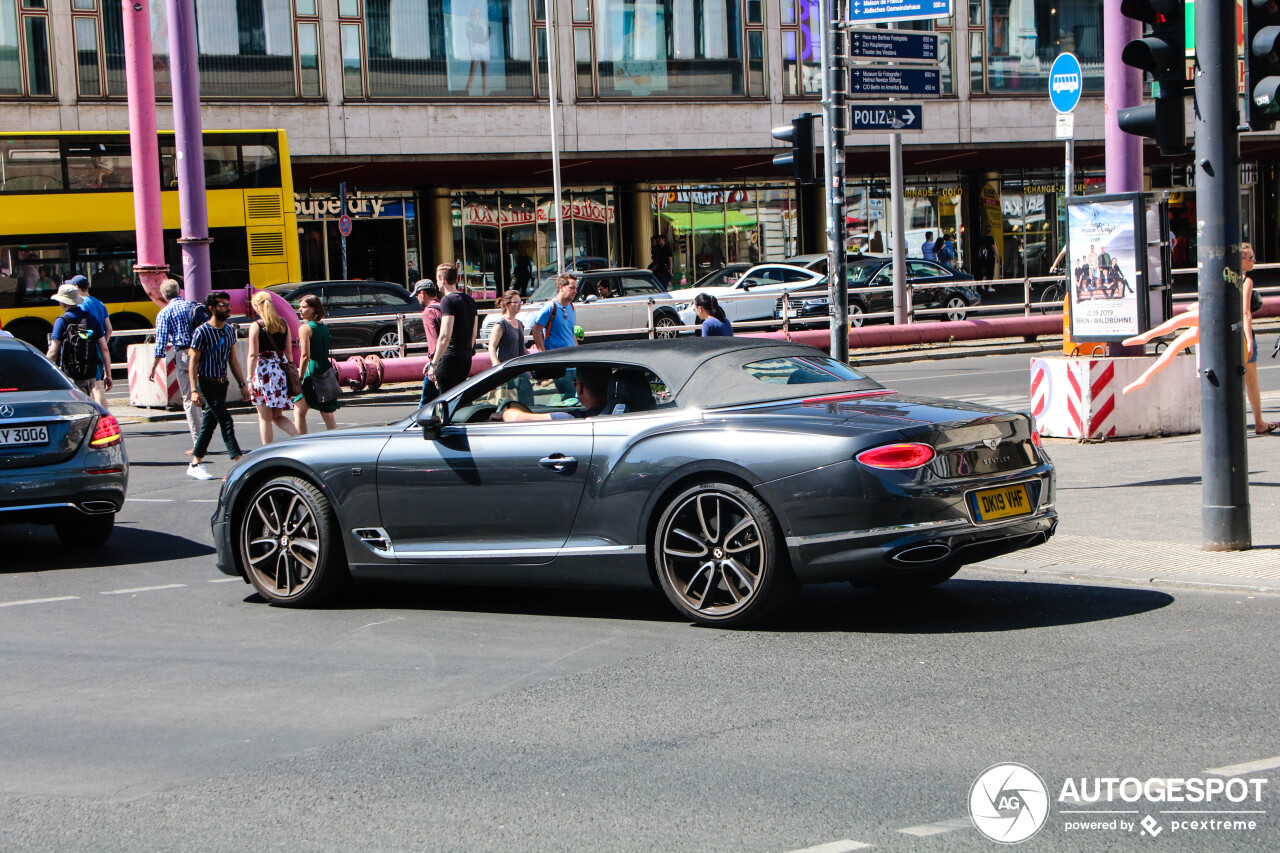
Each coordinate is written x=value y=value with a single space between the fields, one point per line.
x=855 y=315
x=955 y=308
x=712 y=554
x=388 y=344
x=664 y=326
x=281 y=542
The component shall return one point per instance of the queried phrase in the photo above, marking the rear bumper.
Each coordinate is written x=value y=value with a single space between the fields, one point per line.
x=44 y=495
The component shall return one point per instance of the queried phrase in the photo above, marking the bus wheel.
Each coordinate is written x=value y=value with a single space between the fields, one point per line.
x=34 y=332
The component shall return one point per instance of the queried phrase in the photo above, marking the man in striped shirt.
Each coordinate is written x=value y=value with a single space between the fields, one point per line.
x=173 y=329
x=213 y=349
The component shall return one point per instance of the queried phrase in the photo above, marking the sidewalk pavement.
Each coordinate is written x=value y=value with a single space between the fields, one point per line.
x=1130 y=510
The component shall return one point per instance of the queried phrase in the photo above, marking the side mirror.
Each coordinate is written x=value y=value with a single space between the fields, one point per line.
x=591 y=298
x=432 y=421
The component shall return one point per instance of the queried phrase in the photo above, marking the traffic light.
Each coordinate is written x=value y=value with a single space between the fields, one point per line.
x=1161 y=52
x=1261 y=63
x=802 y=159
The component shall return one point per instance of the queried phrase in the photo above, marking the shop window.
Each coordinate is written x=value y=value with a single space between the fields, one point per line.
x=449 y=48
x=1022 y=38
x=676 y=48
x=26 y=67
x=246 y=48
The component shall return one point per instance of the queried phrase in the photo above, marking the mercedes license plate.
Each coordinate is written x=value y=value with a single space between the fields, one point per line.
x=1004 y=502
x=18 y=436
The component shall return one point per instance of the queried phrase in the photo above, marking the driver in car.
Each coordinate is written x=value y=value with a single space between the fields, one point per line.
x=590 y=385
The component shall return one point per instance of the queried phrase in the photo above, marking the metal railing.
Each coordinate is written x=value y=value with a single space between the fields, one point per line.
x=1032 y=286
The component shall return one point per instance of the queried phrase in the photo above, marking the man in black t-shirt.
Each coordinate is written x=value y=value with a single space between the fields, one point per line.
x=661 y=257
x=459 y=327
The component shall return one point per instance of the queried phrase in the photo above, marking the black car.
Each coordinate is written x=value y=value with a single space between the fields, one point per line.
x=726 y=471
x=932 y=286
x=368 y=309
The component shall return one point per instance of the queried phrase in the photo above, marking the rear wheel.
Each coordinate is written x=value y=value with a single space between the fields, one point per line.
x=855 y=315
x=1052 y=293
x=718 y=557
x=956 y=306
x=87 y=532
x=289 y=545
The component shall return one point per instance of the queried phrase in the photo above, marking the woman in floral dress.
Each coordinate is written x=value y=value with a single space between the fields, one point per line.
x=269 y=346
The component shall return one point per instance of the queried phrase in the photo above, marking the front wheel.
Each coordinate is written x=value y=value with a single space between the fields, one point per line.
x=956 y=308
x=289 y=545
x=664 y=326
x=387 y=342
x=855 y=315
x=1052 y=293
x=718 y=558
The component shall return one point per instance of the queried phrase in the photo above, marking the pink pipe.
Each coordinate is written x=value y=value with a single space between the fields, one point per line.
x=240 y=305
x=144 y=147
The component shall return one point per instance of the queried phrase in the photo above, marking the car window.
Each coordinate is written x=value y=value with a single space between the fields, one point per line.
x=924 y=269
x=794 y=370
x=601 y=288
x=550 y=389
x=634 y=284
x=860 y=274
x=789 y=275
x=377 y=296
x=341 y=297
x=24 y=370
x=819 y=267
x=884 y=278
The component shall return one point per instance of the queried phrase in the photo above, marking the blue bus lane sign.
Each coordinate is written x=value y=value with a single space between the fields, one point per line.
x=1066 y=82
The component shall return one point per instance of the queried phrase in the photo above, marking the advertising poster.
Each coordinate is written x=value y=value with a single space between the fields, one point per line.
x=1106 y=250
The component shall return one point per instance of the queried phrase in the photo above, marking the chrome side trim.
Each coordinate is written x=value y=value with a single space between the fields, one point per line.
x=45 y=419
x=823 y=538
x=573 y=551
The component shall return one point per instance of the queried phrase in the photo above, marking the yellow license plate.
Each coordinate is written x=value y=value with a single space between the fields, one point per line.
x=1004 y=502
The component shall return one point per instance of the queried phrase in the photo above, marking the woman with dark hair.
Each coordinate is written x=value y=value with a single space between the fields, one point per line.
x=714 y=323
x=506 y=341
x=313 y=345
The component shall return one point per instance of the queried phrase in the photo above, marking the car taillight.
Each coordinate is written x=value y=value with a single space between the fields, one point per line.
x=107 y=432
x=1035 y=438
x=896 y=456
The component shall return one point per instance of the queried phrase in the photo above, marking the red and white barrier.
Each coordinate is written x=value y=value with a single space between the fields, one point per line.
x=146 y=393
x=1081 y=398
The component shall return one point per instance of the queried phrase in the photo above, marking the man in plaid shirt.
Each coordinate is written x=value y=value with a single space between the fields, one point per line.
x=173 y=329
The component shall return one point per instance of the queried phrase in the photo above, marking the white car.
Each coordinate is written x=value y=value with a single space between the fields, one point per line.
x=751 y=297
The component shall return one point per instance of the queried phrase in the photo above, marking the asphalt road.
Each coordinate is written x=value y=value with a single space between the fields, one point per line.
x=147 y=702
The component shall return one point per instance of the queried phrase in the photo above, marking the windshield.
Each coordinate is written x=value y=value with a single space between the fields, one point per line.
x=24 y=370
x=545 y=291
x=862 y=272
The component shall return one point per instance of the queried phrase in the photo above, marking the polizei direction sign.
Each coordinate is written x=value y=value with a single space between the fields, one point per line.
x=892 y=118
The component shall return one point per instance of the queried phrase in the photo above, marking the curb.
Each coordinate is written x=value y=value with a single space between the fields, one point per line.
x=1176 y=583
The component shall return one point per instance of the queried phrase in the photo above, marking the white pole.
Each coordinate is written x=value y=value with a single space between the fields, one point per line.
x=555 y=132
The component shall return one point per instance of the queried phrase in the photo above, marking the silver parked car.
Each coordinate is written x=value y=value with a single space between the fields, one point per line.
x=62 y=459
x=609 y=302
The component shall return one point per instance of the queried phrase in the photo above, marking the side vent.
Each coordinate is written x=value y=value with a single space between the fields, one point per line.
x=262 y=207
x=266 y=244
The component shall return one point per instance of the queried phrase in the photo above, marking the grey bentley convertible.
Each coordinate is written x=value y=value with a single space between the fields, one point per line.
x=727 y=471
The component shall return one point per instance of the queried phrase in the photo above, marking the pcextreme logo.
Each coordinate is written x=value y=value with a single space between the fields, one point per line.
x=1009 y=803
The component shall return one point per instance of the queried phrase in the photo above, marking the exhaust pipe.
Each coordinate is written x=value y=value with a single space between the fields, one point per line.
x=97 y=507
x=922 y=555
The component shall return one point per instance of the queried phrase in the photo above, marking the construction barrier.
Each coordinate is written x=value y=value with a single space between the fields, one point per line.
x=1081 y=398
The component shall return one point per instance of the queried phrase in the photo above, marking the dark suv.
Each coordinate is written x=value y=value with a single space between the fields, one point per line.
x=369 y=306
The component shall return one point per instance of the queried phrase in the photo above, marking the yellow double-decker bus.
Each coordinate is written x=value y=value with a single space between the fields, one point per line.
x=66 y=208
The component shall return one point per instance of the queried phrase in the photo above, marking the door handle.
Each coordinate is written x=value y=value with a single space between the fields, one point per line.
x=559 y=463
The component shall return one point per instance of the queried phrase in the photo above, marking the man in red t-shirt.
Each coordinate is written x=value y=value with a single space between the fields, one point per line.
x=427 y=292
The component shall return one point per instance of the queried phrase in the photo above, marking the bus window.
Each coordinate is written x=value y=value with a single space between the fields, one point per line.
x=99 y=165
x=221 y=166
x=34 y=272
x=30 y=165
x=261 y=166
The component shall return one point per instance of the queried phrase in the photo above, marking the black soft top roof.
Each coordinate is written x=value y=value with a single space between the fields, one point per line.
x=703 y=372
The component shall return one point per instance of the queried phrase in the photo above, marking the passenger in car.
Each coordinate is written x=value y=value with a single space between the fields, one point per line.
x=591 y=385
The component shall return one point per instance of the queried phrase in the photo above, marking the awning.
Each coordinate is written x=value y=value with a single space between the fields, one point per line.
x=703 y=221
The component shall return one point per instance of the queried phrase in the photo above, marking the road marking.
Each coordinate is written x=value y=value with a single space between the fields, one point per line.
x=939 y=827
x=38 y=601
x=223 y=580
x=150 y=500
x=140 y=589
x=834 y=847
x=202 y=500
x=1247 y=767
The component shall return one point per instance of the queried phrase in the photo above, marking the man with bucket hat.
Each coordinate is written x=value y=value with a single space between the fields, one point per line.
x=78 y=344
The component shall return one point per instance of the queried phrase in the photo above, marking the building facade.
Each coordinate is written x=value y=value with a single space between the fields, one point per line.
x=435 y=114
